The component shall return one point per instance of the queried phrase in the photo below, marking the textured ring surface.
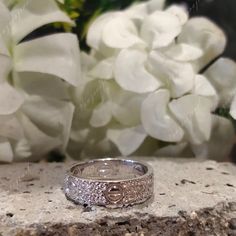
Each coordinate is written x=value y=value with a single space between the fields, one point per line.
x=109 y=182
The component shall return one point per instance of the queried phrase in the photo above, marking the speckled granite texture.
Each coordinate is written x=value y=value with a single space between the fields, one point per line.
x=191 y=198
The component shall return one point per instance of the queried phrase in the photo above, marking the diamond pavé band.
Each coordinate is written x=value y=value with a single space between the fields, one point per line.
x=109 y=182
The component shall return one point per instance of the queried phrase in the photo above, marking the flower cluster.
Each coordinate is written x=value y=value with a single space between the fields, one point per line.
x=151 y=85
x=35 y=75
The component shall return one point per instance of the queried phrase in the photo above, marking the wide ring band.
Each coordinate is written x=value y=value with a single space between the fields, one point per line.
x=109 y=182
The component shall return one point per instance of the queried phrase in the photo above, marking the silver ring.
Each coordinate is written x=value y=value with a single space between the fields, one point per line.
x=109 y=182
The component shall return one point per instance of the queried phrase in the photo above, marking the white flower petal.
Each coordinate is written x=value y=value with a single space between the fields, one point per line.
x=183 y=52
x=3 y=48
x=178 y=76
x=157 y=120
x=118 y=103
x=6 y=2
x=160 y=29
x=204 y=34
x=233 y=108
x=61 y=49
x=6 y=153
x=53 y=117
x=126 y=104
x=180 y=11
x=95 y=32
x=104 y=69
x=86 y=97
x=22 y=150
x=194 y=114
x=220 y=143
x=204 y=88
x=137 y=12
x=5 y=31
x=10 y=99
x=40 y=142
x=42 y=85
x=80 y=136
x=120 y=32
x=5 y=67
x=154 y=5
x=101 y=115
x=30 y=15
x=9 y=3
x=131 y=74
x=5 y=27
x=222 y=76
x=10 y=127
x=88 y=61
x=87 y=142
x=127 y=140
x=174 y=150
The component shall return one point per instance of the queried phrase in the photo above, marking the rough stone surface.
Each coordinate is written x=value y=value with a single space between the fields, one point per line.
x=191 y=198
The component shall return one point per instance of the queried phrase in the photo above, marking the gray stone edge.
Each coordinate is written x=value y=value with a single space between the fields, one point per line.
x=219 y=220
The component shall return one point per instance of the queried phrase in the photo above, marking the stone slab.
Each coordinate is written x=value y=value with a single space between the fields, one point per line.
x=191 y=198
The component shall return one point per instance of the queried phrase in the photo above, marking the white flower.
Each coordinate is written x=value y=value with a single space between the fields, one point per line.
x=222 y=75
x=153 y=97
x=35 y=75
x=221 y=140
x=157 y=119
